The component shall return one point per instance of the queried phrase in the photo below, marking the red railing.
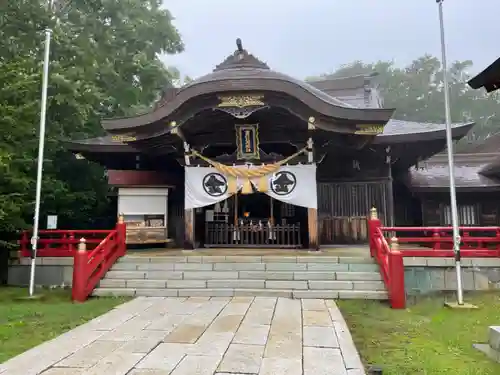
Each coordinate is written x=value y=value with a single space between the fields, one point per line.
x=475 y=242
x=90 y=266
x=390 y=262
x=93 y=251
x=60 y=243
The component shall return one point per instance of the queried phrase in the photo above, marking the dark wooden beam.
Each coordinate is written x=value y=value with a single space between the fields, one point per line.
x=189 y=240
x=312 y=225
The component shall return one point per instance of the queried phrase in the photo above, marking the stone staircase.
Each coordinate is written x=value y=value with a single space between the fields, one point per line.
x=311 y=276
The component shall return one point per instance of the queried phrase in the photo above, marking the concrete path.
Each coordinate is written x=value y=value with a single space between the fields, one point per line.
x=201 y=336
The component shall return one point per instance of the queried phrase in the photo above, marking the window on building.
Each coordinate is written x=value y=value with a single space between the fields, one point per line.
x=467 y=215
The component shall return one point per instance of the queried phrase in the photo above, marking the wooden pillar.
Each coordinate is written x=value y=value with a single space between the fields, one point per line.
x=189 y=241
x=312 y=226
x=189 y=214
x=312 y=213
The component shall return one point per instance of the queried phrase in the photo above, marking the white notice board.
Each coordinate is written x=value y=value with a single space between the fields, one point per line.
x=52 y=222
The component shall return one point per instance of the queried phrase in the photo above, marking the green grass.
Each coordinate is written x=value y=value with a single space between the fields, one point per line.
x=426 y=338
x=27 y=323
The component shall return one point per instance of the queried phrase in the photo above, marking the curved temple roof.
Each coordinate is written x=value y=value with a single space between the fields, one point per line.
x=347 y=98
x=398 y=131
x=243 y=72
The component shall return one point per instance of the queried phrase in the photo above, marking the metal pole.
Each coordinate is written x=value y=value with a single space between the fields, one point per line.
x=41 y=145
x=449 y=148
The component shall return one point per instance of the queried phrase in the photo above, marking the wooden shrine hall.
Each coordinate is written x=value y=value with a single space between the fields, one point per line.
x=249 y=157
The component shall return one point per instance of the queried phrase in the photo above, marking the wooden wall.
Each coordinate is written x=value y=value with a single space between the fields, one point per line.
x=480 y=209
x=141 y=178
x=343 y=208
x=176 y=216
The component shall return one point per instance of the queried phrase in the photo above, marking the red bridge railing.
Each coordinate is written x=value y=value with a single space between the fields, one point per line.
x=93 y=251
x=389 y=245
x=60 y=243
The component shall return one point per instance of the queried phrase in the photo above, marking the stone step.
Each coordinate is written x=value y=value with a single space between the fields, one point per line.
x=494 y=337
x=248 y=266
x=311 y=276
x=243 y=284
x=228 y=292
x=139 y=259
x=250 y=275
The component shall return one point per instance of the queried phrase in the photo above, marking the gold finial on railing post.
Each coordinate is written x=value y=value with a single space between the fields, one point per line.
x=82 y=245
x=373 y=213
x=394 y=243
x=121 y=231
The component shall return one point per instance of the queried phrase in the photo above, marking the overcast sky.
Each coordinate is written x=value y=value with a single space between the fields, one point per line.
x=305 y=38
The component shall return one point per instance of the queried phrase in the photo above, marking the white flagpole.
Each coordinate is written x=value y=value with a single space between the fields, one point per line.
x=449 y=149
x=41 y=146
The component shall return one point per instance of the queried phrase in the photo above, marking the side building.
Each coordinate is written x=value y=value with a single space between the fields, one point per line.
x=249 y=157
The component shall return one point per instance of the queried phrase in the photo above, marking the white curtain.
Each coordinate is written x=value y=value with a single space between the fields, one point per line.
x=294 y=184
x=203 y=186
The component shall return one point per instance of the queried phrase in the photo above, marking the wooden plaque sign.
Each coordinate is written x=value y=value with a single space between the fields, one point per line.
x=247 y=141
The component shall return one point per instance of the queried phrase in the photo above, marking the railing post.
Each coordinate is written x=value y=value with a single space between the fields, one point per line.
x=397 y=294
x=24 y=242
x=466 y=241
x=437 y=244
x=121 y=230
x=79 y=275
x=71 y=239
x=497 y=234
x=373 y=225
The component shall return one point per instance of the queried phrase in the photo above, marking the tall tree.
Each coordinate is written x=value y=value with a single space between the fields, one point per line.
x=104 y=60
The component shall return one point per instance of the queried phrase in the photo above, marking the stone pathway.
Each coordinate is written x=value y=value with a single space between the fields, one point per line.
x=201 y=336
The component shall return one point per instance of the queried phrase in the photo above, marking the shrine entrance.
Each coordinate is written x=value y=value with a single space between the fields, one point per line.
x=252 y=220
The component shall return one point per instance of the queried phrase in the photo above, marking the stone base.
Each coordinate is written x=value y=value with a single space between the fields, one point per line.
x=49 y=271
x=492 y=348
x=463 y=306
x=489 y=351
x=28 y=298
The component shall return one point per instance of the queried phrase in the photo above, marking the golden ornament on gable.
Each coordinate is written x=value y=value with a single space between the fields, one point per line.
x=241 y=101
x=369 y=129
x=123 y=138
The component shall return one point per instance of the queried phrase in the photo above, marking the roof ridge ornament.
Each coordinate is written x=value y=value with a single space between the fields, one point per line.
x=241 y=59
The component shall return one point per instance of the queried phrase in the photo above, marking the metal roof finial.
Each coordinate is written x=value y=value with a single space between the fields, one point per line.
x=239 y=45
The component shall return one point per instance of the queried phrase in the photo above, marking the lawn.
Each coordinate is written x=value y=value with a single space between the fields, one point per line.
x=25 y=324
x=426 y=338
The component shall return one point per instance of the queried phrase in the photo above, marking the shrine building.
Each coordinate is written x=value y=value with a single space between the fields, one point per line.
x=249 y=157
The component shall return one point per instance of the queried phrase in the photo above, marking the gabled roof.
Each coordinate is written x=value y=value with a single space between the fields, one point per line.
x=433 y=174
x=359 y=90
x=489 y=78
x=489 y=145
x=242 y=72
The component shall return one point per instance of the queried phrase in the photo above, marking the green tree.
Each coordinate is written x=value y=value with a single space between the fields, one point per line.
x=104 y=60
